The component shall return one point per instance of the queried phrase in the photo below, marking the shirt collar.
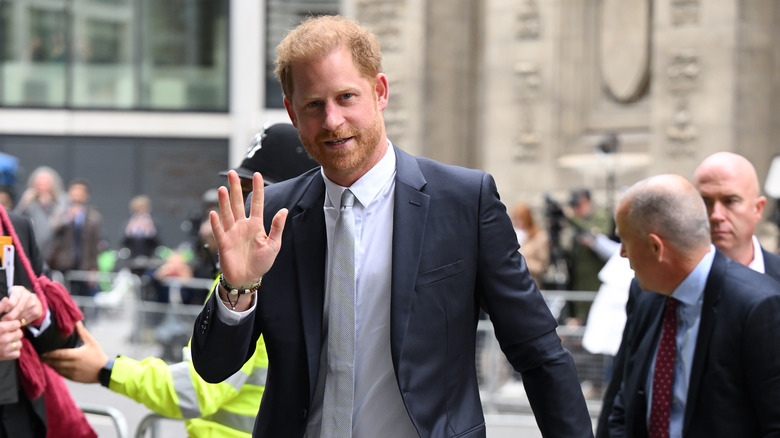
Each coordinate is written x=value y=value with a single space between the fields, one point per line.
x=368 y=186
x=758 y=257
x=691 y=290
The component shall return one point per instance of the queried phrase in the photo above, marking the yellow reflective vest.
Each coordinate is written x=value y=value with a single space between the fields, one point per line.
x=225 y=410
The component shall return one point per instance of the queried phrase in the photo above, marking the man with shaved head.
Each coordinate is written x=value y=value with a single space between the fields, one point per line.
x=701 y=355
x=729 y=186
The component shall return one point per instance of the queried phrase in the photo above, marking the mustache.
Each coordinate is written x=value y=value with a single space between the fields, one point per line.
x=337 y=135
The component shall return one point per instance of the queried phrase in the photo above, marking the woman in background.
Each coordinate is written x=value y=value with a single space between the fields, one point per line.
x=534 y=241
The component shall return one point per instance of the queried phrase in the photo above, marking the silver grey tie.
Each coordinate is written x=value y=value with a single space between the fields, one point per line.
x=340 y=376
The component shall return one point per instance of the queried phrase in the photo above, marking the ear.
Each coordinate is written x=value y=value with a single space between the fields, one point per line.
x=760 y=204
x=657 y=246
x=290 y=112
x=382 y=91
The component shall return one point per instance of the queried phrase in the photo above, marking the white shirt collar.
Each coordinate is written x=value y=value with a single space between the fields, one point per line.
x=758 y=257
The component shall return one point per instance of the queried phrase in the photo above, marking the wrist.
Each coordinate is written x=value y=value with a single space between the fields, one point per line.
x=233 y=292
x=104 y=375
x=239 y=290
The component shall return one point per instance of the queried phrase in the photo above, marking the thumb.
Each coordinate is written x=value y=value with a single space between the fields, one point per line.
x=85 y=336
x=277 y=227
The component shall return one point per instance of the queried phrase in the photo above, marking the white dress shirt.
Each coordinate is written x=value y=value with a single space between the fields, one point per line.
x=690 y=294
x=378 y=407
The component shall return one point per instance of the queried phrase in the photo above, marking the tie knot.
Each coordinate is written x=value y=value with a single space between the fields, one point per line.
x=347 y=199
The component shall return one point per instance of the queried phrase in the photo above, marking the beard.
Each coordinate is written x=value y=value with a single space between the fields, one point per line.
x=351 y=160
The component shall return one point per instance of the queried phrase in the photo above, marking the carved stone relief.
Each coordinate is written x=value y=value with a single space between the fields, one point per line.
x=528 y=84
x=685 y=12
x=529 y=21
x=624 y=48
x=683 y=72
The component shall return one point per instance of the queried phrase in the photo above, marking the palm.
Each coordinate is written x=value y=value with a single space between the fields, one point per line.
x=246 y=251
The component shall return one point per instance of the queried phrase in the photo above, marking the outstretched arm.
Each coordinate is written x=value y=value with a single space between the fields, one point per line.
x=80 y=364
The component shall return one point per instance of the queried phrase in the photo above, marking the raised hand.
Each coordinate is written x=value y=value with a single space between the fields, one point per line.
x=246 y=252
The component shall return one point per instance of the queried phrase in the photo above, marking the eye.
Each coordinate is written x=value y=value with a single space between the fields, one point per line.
x=313 y=104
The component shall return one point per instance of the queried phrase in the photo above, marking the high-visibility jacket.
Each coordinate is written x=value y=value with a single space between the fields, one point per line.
x=225 y=410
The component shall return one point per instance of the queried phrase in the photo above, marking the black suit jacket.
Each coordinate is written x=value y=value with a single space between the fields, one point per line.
x=734 y=389
x=454 y=251
x=771 y=268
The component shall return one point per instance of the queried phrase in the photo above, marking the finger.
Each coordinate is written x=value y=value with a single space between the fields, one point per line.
x=258 y=196
x=236 y=196
x=277 y=227
x=9 y=326
x=225 y=211
x=12 y=314
x=216 y=227
x=14 y=294
x=56 y=356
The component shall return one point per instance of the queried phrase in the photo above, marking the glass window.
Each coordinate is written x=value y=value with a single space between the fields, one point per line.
x=103 y=71
x=184 y=54
x=34 y=54
x=281 y=16
x=126 y=54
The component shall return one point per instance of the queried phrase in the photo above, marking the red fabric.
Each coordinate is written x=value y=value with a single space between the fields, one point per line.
x=663 y=374
x=62 y=414
x=37 y=378
x=32 y=373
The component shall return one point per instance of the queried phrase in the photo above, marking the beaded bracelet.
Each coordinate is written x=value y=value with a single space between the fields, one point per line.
x=237 y=291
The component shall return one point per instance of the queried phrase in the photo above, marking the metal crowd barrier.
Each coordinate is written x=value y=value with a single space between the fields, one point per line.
x=501 y=387
x=116 y=417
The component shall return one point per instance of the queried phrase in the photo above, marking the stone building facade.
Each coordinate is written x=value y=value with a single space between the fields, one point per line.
x=534 y=90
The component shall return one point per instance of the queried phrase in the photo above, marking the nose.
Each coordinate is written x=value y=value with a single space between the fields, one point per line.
x=623 y=251
x=716 y=212
x=333 y=116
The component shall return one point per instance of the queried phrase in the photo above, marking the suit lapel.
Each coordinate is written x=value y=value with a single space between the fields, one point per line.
x=310 y=248
x=409 y=218
x=709 y=310
x=654 y=311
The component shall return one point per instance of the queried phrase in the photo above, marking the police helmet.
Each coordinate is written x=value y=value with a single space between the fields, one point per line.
x=277 y=153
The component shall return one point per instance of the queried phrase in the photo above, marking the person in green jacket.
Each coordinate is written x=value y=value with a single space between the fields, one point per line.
x=226 y=409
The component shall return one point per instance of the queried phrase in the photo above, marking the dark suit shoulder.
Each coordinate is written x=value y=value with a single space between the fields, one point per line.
x=448 y=173
x=739 y=284
x=771 y=264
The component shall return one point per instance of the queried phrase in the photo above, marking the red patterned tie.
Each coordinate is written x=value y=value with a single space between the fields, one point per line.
x=663 y=374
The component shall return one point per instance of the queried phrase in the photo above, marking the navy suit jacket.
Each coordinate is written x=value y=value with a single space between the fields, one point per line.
x=771 y=268
x=771 y=264
x=454 y=251
x=734 y=388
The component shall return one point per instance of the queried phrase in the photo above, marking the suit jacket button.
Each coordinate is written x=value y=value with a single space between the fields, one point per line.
x=304 y=413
